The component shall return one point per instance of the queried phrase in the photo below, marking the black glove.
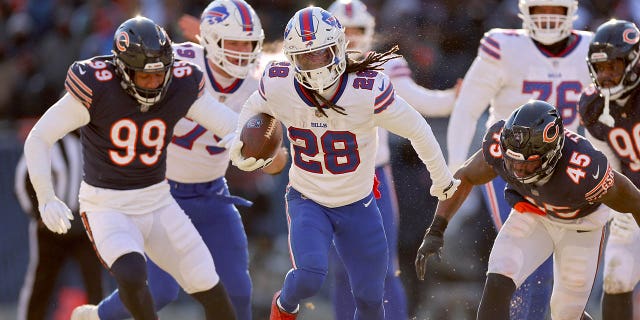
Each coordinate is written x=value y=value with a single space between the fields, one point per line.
x=431 y=245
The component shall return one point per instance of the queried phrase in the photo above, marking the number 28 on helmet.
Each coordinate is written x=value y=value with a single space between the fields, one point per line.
x=531 y=141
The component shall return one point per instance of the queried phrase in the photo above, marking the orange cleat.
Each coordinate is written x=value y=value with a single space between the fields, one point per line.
x=279 y=314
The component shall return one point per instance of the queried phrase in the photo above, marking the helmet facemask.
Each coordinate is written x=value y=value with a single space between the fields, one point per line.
x=320 y=68
x=145 y=96
x=548 y=28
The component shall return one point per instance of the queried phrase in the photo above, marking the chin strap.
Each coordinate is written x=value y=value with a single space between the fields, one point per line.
x=606 y=117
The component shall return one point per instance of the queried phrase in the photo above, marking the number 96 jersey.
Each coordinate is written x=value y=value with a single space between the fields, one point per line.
x=123 y=147
x=333 y=156
x=581 y=176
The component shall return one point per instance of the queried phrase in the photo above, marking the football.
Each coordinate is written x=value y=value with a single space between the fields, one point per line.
x=261 y=137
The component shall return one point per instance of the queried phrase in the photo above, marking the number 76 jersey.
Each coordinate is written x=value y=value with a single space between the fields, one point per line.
x=333 y=157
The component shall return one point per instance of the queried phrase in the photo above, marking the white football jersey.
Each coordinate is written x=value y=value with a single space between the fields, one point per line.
x=429 y=103
x=193 y=156
x=508 y=71
x=334 y=156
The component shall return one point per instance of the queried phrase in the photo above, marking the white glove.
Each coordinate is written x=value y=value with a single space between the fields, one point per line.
x=226 y=139
x=246 y=164
x=623 y=228
x=446 y=192
x=56 y=215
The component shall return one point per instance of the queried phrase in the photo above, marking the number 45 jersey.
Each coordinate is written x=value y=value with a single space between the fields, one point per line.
x=581 y=176
x=334 y=156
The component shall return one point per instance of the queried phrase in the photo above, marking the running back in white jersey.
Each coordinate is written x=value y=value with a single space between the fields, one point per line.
x=523 y=71
x=334 y=156
x=193 y=156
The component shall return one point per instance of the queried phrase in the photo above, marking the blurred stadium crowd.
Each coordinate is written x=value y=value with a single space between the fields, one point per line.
x=39 y=39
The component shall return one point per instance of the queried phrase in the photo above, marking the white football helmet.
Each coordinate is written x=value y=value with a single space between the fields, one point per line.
x=231 y=20
x=314 y=43
x=354 y=14
x=548 y=28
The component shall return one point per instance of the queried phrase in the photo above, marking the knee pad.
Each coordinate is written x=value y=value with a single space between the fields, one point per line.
x=307 y=283
x=506 y=260
x=130 y=271
x=618 y=271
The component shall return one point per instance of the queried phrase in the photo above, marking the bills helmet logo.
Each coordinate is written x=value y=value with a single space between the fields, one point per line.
x=331 y=20
x=215 y=15
x=122 y=42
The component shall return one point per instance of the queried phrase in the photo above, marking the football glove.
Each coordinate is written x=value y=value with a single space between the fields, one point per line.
x=246 y=164
x=444 y=193
x=432 y=244
x=56 y=215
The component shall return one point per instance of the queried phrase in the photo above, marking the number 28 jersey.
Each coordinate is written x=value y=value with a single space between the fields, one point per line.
x=334 y=156
x=581 y=176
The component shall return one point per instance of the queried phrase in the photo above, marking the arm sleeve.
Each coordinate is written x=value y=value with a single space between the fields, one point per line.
x=480 y=85
x=213 y=115
x=401 y=119
x=430 y=103
x=63 y=117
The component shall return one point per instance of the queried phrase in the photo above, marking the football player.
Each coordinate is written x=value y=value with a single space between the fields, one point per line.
x=126 y=105
x=556 y=183
x=231 y=39
x=545 y=61
x=359 y=27
x=609 y=111
x=331 y=106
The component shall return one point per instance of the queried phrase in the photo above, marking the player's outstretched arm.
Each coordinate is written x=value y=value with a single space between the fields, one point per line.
x=473 y=172
x=623 y=196
x=63 y=117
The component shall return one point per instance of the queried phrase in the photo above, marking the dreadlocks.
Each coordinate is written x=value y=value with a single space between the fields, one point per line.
x=373 y=61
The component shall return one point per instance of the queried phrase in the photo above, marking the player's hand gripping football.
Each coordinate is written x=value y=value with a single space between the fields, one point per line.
x=56 y=215
x=446 y=192
x=432 y=243
x=246 y=164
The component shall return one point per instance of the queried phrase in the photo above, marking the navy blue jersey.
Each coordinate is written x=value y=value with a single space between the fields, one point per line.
x=581 y=176
x=123 y=147
x=624 y=137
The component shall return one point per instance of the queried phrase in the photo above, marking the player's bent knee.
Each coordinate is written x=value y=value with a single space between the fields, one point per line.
x=130 y=271
x=507 y=262
x=199 y=275
x=617 y=271
x=308 y=283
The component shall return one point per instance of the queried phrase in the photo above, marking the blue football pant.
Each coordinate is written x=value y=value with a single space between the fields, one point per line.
x=214 y=215
x=531 y=299
x=395 y=299
x=356 y=231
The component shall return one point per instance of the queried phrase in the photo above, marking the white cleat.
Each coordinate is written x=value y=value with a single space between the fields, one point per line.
x=85 y=312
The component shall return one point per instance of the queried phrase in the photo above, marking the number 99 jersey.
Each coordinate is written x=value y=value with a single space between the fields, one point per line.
x=123 y=147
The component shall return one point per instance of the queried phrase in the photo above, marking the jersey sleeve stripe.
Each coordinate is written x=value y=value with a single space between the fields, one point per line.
x=490 y=52
x=77 y=93
x=385 y=104
x=79 y=82
x=602 y=187
x=489 y=41
x=261 y=90
x=383 y=96
x=201 y=87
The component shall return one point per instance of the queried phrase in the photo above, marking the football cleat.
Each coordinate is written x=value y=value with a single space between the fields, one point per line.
x=279 y=314
x=85 y=312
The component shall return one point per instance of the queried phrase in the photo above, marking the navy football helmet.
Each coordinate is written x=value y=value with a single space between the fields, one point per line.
x=616 y=41
x=531 y=141
x=140 y=45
